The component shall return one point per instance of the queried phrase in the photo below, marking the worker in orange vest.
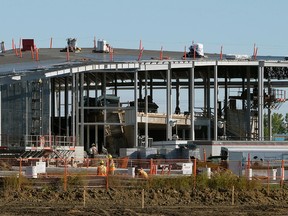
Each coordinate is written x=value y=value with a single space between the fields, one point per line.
x=101 y=169
x=111 y=165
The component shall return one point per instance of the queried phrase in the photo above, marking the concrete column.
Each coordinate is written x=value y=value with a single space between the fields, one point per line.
x=168 y=103
x=260 y=100
x=192 y=101
x=216 y=101
x=81 y=93
x=136 y=108
x=51 y=103
x=146 y=110
x=66 y=107
x=248 y=108
x=76 y=105
x=59 y=107
x=73 y=114
x=104 y=109
x=269 y=113
x=226 y=96
x=208 y=103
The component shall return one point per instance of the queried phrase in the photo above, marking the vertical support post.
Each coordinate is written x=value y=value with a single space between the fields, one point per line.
x=146 y=110
x=66 y=106
x=105 y=110
x=192 y=101
x=76 y=105
x=248 y=110
x=84 y=196
x=207 y=102
x=195 y=171
x=216 y=101
x=168 y=103
x=260 y=100
x=151 y=166
x=204 y=155
x=59 y=98
x=268 y=177
x=81 y=94
x=282 y=173
x=136 y=108
x=269 y=112
x=142 y=198
x=226 y=96
x=233 y=195
x=20 y=174
x=65 y=175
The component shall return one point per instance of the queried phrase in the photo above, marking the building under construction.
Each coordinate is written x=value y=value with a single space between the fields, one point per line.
x=57 y=103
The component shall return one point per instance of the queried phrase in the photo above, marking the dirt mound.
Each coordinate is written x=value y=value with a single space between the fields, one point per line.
x=157 y=202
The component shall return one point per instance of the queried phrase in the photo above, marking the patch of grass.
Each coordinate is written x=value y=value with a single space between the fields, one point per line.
x=13 y=183
x=76 y=180
x=178 y=183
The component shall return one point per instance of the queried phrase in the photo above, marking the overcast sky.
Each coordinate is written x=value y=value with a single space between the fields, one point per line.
x=236 y=25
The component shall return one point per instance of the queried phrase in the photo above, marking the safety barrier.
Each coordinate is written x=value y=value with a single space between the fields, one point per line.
x=84 y=170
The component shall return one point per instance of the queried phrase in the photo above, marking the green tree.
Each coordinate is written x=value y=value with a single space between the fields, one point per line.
x=278 y=124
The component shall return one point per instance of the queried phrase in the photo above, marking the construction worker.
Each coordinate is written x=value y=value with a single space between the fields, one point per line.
x=111 y=165
x=143 y=174
x=101 y=169
x=93 y=150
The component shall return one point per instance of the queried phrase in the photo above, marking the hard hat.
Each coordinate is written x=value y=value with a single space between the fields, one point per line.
x=109 y=156
x=101 y=162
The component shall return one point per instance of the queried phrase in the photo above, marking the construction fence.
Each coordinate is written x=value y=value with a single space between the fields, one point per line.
x=40 y=172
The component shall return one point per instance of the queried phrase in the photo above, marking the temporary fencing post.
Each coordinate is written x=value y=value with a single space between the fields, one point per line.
x=20 y=167
x=107 y=183
x=151 y=166
x=84 y=196
x=65 y=175
x=194 y=172
x=162 y=171
x=142 y=202
x=169 y=169
x=268 y=177
x=248 y=166
x=233 y=194
x=107 y=173
x=20 y=174
x=282 y=174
